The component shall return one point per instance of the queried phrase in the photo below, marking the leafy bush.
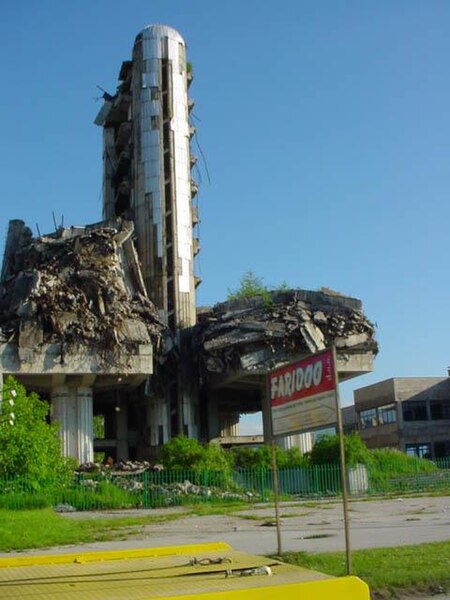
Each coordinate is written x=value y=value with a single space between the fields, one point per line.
x=261 y=458
x=392 y=470
x=29 y=446
x=394 y=460
x=182 y=453
x=326 y=450
x=190 y=455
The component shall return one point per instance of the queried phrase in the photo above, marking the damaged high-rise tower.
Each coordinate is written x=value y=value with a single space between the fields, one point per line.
x=147 y=178
x=101 y=320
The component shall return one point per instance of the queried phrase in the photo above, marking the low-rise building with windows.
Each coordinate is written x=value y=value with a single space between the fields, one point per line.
x=411 y=414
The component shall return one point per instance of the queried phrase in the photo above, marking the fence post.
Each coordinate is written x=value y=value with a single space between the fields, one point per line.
x=205 y=485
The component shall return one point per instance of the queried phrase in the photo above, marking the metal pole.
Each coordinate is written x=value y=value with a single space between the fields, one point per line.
x=343 y=469
x=276 y=495
x=267 y=419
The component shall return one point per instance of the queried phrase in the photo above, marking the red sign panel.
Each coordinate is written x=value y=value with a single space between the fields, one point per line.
x=302 y=394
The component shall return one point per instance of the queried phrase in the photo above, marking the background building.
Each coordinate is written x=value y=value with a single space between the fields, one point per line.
x=408 y=413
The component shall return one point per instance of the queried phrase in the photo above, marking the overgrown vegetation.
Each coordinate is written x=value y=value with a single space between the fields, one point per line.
x=29 y=446
x=326 y=450
x=251 y=286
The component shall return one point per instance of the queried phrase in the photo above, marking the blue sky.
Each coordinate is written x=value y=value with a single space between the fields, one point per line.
x=325 y=125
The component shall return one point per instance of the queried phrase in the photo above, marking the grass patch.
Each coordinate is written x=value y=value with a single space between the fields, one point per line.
x=27 y=529
x=218 y=509
x=387 y=570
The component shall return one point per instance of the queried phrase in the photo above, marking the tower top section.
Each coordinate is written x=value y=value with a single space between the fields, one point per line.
x=161 y=31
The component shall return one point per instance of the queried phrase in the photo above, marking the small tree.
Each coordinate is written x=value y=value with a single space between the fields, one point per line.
x=29 y=445
x=250 y=286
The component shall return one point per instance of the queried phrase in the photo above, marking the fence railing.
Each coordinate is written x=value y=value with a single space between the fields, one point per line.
x=120 y=490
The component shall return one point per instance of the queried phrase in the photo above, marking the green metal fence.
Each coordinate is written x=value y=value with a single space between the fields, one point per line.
x=121 y=490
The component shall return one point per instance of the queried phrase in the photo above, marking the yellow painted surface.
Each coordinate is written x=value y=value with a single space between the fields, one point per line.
x=53 y=559
x=203 y=570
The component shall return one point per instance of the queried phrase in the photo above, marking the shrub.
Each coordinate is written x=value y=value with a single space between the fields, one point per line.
x=326 y=450
x=188 y=454
x=261 y=458
x=29 y=446
x=182 y=453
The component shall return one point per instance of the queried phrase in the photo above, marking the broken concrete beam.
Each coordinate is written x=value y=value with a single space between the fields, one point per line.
x=81 y=286
x=257 y=333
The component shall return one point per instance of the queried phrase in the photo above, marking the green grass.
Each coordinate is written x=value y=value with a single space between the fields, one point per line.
x=21 y=530
x=218 y=509
x=387 y=570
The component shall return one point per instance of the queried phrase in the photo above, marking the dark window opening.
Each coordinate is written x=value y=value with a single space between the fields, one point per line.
x=414 y=410
x=442 y=449
x=440 y=409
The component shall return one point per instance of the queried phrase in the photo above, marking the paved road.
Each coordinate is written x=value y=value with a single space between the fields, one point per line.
x=313 y=527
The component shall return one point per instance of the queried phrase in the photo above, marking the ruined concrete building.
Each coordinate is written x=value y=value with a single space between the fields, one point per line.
x=102 y=319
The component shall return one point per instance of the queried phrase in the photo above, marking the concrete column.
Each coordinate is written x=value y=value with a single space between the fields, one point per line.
x=302 y=441
x=72 y=409
x=190 y=415
x=229 y=424
x=266 y=416
x=63 y=410
x=213 y=417
x=158 y=421
x=85 y=422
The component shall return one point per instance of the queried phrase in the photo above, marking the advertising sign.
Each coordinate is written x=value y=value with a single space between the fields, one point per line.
x=303 y=395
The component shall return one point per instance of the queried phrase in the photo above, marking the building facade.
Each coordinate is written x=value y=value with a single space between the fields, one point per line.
x=411 y=414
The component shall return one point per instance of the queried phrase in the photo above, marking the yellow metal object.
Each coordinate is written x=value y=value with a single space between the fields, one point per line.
x=178 y=572
x=59 y=559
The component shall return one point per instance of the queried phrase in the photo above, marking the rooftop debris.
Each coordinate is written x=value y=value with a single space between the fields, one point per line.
x=77 y=286
x=258 y=333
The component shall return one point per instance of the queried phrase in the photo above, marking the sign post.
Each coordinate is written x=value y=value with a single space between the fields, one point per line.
x=304 y=396
x=276 y=496
x=348 y=555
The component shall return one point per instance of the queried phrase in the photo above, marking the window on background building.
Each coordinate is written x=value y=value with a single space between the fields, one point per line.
x=414 y=410
x=420 y=450
x=368 y=418
x=387 y=414
x=382 y=415
x=442 y=449
x=440 y=409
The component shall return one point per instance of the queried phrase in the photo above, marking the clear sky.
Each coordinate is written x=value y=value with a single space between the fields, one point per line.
x=325 y=125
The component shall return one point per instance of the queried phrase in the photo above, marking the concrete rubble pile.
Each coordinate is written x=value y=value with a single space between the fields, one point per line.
x=77 y=287
x=258 y=333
